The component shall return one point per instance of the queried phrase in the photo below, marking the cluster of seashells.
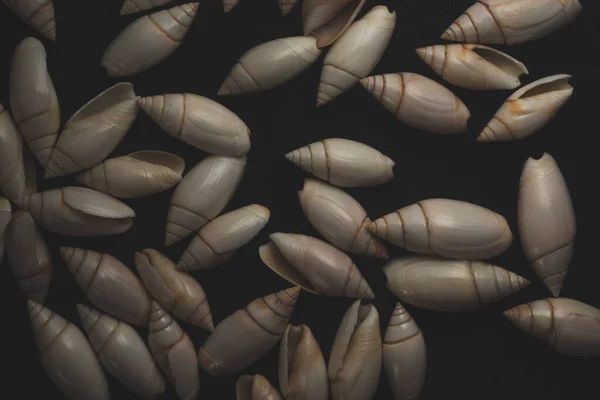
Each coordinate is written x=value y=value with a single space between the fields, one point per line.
x=450 y=238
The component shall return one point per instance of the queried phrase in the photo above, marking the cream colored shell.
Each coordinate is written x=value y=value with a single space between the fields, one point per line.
x=327 y=20
x=39 y=14
x=135 y=6
x=255 y=387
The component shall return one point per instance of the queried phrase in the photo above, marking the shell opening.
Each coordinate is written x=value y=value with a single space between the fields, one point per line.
x=294 y=338
x=363 y=313
x=114 y=95
x=274 y=259
x=501 y=60
x=554 y=86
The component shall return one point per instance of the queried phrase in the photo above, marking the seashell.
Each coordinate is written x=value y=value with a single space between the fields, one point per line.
x=33 y=98
x=218 y=240
x=28 y=257
x=174 y=352
x=355 y=54
x=255 y=387
x=199 y=122
x=419 y=102
x=39 y=14
x=568 y=326
x=446 y=227
x=13 y=176
x=229 y=4
x=449 y=285
x=328 y=19
x=511 y=21
x=177 y=292
x=94 y=131
x=302 y=370
x=67 y=356
x=138 y=174
x=474 y=66
x=246 y=335
x=148 y=40
x=122 y=352
x=202 y=195
x=546 y=221
x=528 y=110
x=355 y=360
x=135 y=6
x=404 y=355
x=315 y=266
x=286 y=6
x=5 y=217
x=344 y=163
x=108 y=284
x=339 y=218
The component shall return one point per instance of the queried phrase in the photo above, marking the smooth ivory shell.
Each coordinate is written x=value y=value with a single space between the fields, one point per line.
x=511 y=21
x=33 y=99
x=248 y=334
x=404 y=355
x=344 y=163
x=135 y=6
x=286 y=6
x=446 y=227
x=148 y=40
x=546 y=221
x=339 y=218
x=474 y=66
x=356 y=53
x=202 y=194
x=67 y=356
x=355 y=359
x=328 y=19
x=218 y=240
x=122 y=352
x=315 y=266
x=419 y=102
x=39 y=14
x=5 y=217
x=199 y=122
x=255 y=387
x=528 y=110
x=138 y=174
x=449 y=285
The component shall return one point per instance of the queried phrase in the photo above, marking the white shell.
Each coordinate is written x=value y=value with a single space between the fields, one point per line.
x=199 y=122
x=528 y=110
x=344 y=163
x=327 y=20
x=218 y=240
x=356 y=53
x=449 y=285
x=355 y=359
x=122 y=352
x=286 y=6
x=148 y=40
x=5 y=217
x=202 y=195
x=33 y=99
x=39 y=14
x=67 y=356
x=135 y=6
x=271 y=64
x=474 y=66
x=94 y=131
x=229 y=4
x=511 y=21
x=419 y=102
x=446 y=227
x=255 y=387
x=546 y=221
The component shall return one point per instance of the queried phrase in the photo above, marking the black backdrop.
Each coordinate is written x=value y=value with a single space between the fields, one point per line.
x=470 y=355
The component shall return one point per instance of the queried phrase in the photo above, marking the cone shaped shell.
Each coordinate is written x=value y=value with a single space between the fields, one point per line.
x=229 y=4
x=13 y=180
x=39 y=14
x=255 y=387
x=286 y=6
x=327 y=19
x=5 y=217
x=135 y=6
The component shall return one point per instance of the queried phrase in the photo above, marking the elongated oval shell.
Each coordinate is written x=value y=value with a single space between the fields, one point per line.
x=218 y=240
x=148 y=40
x=474 y=66
x=202 y=195
x=39 y=14
x=328 y=19
x=33 y=99
x=122 y=352
x=5 y=217
x=13 y=180
x=135 y=6
x=248 y=334
x=286 y=6
x=546 y=221
x=511 y=21
x=255 y=387
x=199 y=122
x=177 y=292
x=174 y=352
x=446 y=227
x=449 y=285
x=355 y=360
x=419 y=102
x=229 y=4
x=138 y=174
x=67 y=356
x=404 y=355
x=344 y=163
x=356 y=53
x=528 y=110
x=315 y=266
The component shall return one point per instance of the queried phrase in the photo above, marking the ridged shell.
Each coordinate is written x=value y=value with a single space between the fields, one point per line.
x=328 y=19
x=39 y=14
x=286 y=6
x=135 y=6
x=229 y=4
x=5 y=217
x=255 y=387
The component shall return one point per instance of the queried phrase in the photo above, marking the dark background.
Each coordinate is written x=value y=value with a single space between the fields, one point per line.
x=470 y=355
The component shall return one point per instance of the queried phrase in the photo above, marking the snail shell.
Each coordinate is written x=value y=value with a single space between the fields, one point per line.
x=255 y=387
x=229 y=4
x=286 y=6
x=546 y=221
x=5 y=217
x=135 y=6
x=148 y=40
x=328 y=19
x=13 y=179
x=39 y=14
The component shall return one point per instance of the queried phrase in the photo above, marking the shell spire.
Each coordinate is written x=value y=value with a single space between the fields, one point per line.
x=39 y=14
